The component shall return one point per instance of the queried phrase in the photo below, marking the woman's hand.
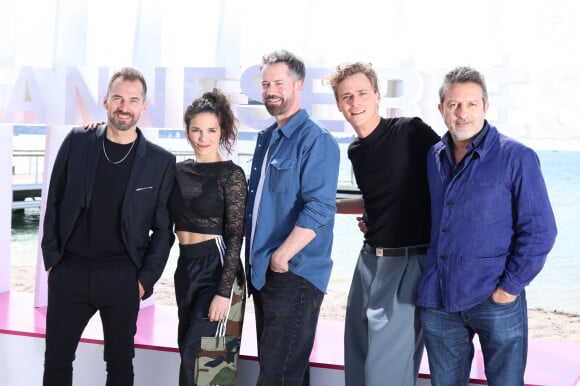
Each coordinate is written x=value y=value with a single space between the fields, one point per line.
x=218 y=309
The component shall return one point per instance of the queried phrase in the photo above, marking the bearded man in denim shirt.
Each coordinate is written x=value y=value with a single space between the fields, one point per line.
x=289 y=224
x=492 y=229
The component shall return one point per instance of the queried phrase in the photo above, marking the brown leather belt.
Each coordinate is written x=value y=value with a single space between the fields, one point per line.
x=394 y=252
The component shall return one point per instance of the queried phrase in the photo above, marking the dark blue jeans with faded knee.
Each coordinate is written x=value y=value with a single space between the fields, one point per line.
x=503 y=335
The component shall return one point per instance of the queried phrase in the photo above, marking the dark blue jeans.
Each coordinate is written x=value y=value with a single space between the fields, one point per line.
x=503 y=334
x=287 y=309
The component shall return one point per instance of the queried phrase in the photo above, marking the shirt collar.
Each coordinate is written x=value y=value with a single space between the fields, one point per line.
x=296 y=121
x=479 y=137
x=473 y=146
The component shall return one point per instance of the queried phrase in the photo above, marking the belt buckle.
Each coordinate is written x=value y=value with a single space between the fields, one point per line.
x=379 y=252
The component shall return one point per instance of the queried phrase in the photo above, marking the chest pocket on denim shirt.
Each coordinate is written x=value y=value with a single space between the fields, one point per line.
x=282 y=174
x=483 y=200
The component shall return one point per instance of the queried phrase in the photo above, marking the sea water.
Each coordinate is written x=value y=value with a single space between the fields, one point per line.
x=556 y=288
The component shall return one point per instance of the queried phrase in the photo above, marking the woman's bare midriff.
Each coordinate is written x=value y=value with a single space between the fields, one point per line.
x=193 y=238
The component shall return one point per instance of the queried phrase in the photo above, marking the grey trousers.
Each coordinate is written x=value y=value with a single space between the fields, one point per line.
x=383 y=340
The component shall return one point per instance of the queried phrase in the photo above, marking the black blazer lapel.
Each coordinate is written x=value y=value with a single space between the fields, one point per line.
x=135 y=170
x=94 y=145
x=139 y=162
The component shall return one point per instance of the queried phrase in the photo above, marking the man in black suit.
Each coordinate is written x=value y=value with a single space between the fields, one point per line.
x=107 y=232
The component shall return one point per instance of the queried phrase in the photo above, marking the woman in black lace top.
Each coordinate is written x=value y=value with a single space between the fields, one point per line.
x=208 y=205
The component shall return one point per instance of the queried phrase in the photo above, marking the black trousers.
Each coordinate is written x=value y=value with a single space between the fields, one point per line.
x=77 y=289
x=196 y=279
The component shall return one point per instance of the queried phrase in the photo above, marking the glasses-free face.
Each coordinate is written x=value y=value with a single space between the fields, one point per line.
x=204 y=133
x=463 y=111
x=125 y=104
x=280 y=91
x=359 y=103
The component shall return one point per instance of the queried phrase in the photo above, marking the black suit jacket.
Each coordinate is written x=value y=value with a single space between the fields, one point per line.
x=147 y=229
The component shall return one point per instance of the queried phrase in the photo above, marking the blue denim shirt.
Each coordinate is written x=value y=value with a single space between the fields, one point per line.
x=493 y=224
x=299 y=189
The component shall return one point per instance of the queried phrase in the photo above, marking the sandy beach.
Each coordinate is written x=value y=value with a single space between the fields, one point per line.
x=543 y=324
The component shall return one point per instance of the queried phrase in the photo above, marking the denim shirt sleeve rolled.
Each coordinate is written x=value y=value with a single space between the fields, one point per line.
x=299 y=189
x=492 y=223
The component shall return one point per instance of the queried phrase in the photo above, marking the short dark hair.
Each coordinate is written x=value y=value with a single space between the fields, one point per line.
x=462 y=74
x=345 y=70
x=295 y=64
x=217 y=103
x=131 y=74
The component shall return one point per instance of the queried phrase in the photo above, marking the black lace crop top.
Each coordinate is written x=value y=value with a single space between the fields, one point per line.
x=210 y=198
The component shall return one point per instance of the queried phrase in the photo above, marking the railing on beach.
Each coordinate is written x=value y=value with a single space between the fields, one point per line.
x=27 y=173
x=27 y=167
x=28 y=170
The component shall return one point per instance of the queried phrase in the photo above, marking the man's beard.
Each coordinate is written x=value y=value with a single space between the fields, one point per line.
x=122 y=127
x=278 y=109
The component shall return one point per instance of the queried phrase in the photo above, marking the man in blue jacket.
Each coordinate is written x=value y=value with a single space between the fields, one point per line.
x=492 y=229
x=289 y=224
x=107 y=232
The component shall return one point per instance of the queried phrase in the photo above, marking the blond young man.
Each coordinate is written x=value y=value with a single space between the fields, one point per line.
x=383 y=340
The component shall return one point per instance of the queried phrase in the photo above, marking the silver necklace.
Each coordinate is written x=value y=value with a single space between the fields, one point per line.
x=122 y=159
